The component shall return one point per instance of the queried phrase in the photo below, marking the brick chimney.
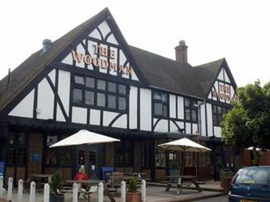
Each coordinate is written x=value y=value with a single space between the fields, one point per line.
x=181 y=52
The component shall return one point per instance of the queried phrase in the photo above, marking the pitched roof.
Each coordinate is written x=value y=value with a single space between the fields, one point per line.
x=20 y=77
x=159 y=72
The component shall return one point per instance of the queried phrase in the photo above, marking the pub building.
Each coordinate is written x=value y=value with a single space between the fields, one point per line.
x=92 y=79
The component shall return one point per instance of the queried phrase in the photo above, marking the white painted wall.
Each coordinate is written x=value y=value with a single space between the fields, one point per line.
x=180 y=109
x=209 y=119
x=64 y=93
x=162 y=125
x=133 y=108
x=203 y=121
x=108 y=117
x=145 y=109
x=79 y=115
x=172 y=106
x=121 y=122
x=188 y=128
x=194 y=128
x=25 y=107
x=45 y=100
x=95 y=117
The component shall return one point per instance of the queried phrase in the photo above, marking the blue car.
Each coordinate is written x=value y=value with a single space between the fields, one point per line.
x=250 y=184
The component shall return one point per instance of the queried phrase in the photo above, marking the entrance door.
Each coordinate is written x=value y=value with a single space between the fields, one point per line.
x=93 y=164
x=16 y=157
x=90 y=158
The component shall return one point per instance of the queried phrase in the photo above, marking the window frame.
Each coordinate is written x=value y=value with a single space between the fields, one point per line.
x=162 y=99
x=100 y=88
x=190 y=108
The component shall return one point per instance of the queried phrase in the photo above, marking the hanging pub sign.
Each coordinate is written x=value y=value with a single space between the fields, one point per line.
x=101 y=63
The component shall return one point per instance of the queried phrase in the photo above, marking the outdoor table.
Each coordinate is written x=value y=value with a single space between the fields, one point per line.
x=94 y=182
x=40 y=179
x=180 y=179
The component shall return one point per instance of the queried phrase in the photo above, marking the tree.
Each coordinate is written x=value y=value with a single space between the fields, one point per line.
x=248 y=122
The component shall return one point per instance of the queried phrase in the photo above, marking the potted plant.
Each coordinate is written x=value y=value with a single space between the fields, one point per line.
x=55 y=187
x=133 y=195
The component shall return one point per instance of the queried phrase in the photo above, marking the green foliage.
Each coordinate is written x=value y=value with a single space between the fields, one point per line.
x=248 y=123
x=132 y=185
x=56 y=182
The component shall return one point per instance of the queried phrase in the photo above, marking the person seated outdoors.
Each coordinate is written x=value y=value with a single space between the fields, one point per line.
x=81 y=175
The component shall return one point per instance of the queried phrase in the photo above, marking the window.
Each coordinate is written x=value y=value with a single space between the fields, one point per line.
x=16 y=152
x=124 y=154
x=160 y=103
x=218 y=112
x=91 y=92
x=191 y=110
x=160 y=154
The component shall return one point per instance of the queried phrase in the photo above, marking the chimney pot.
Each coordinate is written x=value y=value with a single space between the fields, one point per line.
x=181 y=52
x=47 y=43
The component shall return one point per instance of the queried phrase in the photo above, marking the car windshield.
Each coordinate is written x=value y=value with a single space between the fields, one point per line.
x=253 y=176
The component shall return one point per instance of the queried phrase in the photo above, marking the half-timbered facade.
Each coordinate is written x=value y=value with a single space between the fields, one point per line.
x=92 y=79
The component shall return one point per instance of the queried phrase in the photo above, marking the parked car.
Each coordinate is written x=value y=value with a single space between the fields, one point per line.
x=250 y=184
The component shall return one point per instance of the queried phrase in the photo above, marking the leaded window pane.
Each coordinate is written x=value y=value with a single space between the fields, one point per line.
x=101 y=85
x=101 y=101
x=122 y=103
x=89 y=97
x=112 y=101
x=112 y=87
x=194 y=115
x=77 y=96
x=122 y=89
x=156 y=96
x=187 y=114
x=90 y=82
x=158 y=109
x=79 y=80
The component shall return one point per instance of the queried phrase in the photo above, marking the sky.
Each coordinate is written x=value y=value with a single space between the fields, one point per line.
x=237 y=30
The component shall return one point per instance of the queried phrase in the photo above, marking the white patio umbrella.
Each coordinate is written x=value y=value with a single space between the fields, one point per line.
x=84 y=137
x=184 y=144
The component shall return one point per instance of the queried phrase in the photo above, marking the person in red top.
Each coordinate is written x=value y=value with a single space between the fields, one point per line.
x=81 y=175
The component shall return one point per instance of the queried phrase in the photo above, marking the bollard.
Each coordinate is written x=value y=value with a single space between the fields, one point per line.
x=32 y=197
x=20 y=190
x=75 y=191
x=1 y=186
x=100 y=192
x=123 y=191
x=46 y=197
x=10 y=188
x=143 y=190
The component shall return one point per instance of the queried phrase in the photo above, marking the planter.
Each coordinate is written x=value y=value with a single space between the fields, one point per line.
x=133 y=197
x=57 y=198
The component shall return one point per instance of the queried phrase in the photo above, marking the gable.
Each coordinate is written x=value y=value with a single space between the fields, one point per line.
x=102 y=51
x=223 y=89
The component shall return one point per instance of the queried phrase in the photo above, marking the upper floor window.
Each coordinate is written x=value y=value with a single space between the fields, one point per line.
x=218 y=112
x=191 y=110
x=88 y=91
x=160 y=103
